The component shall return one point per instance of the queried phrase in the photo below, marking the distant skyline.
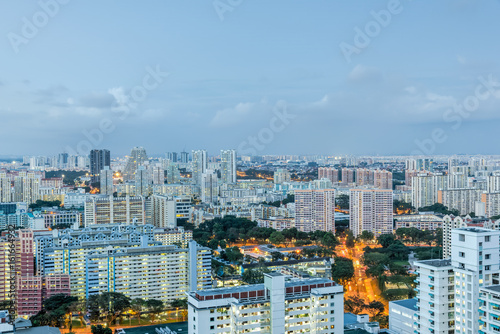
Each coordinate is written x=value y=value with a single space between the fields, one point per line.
x=175 y=75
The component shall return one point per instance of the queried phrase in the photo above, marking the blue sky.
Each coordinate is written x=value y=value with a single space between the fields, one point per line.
x=228 y=77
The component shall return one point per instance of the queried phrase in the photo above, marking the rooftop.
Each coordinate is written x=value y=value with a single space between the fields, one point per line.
x=435 y=263
x=493 y=288
x=407 y=303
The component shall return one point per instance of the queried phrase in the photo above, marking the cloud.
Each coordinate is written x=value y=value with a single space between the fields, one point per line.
x=97 y=100
x=238 y=114
x=363 y=74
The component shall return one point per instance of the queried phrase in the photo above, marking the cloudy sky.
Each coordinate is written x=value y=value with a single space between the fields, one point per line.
x=266 y=77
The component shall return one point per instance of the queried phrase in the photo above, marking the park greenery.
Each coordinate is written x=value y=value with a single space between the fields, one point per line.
x=439 y=208
x=289 y=199
x=41 y=204
x=342 y=201
x=69 y=175
x=389 y=266
x=221 y=231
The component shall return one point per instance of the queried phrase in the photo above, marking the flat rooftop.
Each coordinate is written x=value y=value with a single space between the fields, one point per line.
x=436 y=263
x=493 y=288
x=407 y=303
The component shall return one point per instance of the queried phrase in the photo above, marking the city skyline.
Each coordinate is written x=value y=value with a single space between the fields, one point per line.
x=397 y=87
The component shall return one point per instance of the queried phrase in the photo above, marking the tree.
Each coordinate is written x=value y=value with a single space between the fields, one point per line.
x=376 y=307
x=155 y=307
x=385 y=240
x=329 y=240
x=342 y=269
x=277 y=256
x=137 y=305
x=232 y=254
x=108 y=304
x=349 y=240
x=366 y=235
x=179 y=303
x=99 y=329
x=276 y=238
x=354 y=304
x=342 y=201
x=54 y=311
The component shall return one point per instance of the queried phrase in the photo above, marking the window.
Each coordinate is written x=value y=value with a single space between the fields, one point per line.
x=461 y=237
x=486 y=267
x=461 y=254
x=212 y=327
x=212 y=319
x=487 y=238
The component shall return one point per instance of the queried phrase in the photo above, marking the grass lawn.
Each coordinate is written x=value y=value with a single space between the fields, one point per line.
x=401 y=263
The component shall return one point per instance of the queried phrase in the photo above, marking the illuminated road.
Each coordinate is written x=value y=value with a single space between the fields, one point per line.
x=360 y=285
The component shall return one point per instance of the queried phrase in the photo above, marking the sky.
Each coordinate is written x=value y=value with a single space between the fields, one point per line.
x=264 y=77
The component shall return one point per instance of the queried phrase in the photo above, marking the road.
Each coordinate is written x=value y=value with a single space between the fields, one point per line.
x=360 y=285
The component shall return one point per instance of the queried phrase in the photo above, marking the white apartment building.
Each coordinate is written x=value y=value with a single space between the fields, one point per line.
x=425 y=188
x=475 y=258
x=138 y=270
x=435 y=297
x=464 y=200
x=106 y=176
x=278 y=306
x=5 y=188
x=492 y=203
x=371 y=210
x=163 y=211
x=111 y=210
x=228 y=166
x=315 y=210
x=403 y=316
x=26 y=187
x=209 y=187
x=200 y=166
x=489 y=310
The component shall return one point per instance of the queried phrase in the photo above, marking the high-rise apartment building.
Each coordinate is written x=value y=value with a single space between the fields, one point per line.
x=425 y=187
x=5 y=188
x=143 y=182
x=475 y=259
x=364 y=177
x=382 y=179
x=489 y=310
x=330 y=173
x=277 y=306
x=184 y=157
x=98 y=160
x=371 y=210
x=173 y=174
x=435 y=297
x=171 y=156
x=138 y=268
x=158 y=175
x=209 y=187
x=200 y=166
x=281 y=176
x=106 y=176
x=464 y=199
x=228 y=166
x=347 y=176
x=115 y=210
x=163 y=211
x=315 y=210
x=137 y=158
x=26 y=187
